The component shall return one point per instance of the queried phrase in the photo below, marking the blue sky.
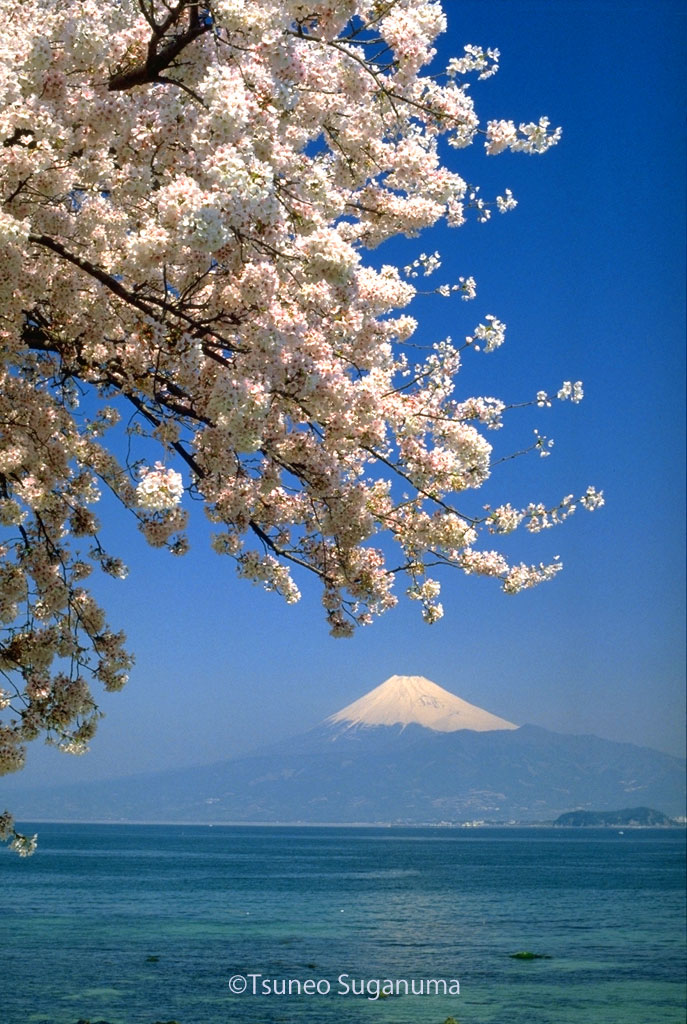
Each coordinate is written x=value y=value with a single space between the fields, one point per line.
x=588 y=274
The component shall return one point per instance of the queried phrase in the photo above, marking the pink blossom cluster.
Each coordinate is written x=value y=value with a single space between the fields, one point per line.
x=188 y=195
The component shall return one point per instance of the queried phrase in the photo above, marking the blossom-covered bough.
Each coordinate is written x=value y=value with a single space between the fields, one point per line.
x=188 y=191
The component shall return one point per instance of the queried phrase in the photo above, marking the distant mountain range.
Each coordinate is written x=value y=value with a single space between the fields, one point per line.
x=407 y=752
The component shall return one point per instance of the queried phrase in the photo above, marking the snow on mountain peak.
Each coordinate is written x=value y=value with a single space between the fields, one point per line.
x=405 y=700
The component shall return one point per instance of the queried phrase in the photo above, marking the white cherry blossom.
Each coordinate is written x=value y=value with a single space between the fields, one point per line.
x=189 y=309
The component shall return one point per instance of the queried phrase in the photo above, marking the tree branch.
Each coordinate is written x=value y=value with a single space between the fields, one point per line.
x=147 y=306
x=160 y=58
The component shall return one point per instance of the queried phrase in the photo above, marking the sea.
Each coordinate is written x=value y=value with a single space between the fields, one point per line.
x=138 y=924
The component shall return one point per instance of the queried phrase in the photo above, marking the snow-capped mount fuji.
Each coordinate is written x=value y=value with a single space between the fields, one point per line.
x=407 y=752
x=414 y=700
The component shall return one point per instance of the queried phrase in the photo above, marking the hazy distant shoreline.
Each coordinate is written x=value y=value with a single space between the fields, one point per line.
x=447 y=826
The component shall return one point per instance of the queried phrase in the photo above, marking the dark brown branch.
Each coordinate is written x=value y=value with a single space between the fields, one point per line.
x=89 y=268
x=161 y=57
x=190 y=461
x=281 y=552
x=149 y=306
x=185 y=88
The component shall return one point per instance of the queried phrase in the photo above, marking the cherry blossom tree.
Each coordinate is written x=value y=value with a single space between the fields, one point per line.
x=188 y=194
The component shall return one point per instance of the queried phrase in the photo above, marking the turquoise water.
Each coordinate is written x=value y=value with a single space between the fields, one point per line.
x=138 y=924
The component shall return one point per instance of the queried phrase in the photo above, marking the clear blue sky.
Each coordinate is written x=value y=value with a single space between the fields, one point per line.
x=588 y=274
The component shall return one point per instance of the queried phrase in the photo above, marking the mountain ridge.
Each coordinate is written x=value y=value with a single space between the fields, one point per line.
x=403 y=775
x=403 y=753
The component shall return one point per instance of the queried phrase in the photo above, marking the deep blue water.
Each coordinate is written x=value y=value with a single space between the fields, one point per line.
x=137 y=924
